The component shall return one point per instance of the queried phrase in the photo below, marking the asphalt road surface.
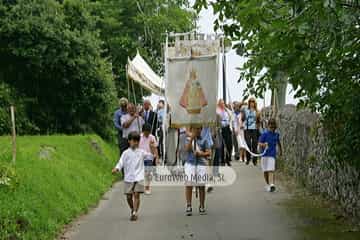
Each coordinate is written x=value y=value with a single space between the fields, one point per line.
x=242 y=211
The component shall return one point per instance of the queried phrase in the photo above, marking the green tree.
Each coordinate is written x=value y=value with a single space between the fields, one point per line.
x=8 y=97
x=316 y=43
x=128 y=26
x=51 y=54
x=66 y=59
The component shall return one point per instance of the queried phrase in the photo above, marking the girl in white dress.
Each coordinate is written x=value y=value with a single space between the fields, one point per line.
x=240 y=133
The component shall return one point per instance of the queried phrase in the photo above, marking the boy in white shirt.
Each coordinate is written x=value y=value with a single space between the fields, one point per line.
x=132 y=160
x=149 y=145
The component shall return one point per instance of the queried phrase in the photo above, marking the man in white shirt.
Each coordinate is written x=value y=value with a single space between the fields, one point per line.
x=132 y=160
x=131 y=122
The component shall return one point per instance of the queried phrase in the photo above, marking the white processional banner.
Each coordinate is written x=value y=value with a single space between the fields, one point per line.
x=192 y=90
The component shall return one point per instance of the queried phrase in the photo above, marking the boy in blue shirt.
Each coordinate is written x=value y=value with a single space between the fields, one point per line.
x=269 y=139
x=198 y=150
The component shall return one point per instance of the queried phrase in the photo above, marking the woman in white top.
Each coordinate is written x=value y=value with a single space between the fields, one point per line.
x=226 y=118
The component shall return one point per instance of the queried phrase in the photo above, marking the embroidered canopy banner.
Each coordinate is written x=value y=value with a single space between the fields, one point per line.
x=191 y=90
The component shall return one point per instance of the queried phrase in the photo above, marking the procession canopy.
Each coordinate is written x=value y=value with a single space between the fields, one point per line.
x=192 y=67
x=139 y=71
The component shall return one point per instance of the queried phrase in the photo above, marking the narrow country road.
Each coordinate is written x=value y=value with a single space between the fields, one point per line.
x=243 y=211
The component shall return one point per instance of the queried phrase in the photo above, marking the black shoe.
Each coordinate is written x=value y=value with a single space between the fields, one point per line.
x=229 y=164
x=188 y=211
x=202 y=211
x=133 y=217
x=247 y=162
x=255 y=163
x=210 y=189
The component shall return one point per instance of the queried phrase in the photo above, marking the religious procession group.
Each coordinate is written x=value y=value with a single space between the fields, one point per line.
x=239 y=134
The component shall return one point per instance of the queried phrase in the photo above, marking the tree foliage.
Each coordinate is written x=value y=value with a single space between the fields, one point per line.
x=316 y=44
x=8 y=97
x=66 y=59
x=55 y=62
x=128 y=26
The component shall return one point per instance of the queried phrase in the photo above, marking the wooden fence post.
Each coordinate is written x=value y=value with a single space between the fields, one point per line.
x=13 y=134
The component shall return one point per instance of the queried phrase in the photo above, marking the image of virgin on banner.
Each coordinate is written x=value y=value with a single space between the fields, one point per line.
x=193 y=98
x=191 y=90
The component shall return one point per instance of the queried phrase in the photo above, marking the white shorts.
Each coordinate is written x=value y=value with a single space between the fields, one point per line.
x=268 y=164
x=195 y=175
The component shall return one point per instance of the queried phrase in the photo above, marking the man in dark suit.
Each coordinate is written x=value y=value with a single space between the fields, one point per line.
x=150 y=116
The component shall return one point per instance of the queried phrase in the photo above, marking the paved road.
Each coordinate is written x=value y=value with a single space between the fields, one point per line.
x=243 y=211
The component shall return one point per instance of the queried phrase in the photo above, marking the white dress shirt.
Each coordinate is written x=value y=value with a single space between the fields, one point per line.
x=135 y=126
x=225 y=117
x=132 y=160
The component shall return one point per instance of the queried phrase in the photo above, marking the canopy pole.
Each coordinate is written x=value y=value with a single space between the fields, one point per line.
x=128 y=81
x=142 y=91
x=224 y=69
x=165 y=95
x=137 y=118
x=153 y=121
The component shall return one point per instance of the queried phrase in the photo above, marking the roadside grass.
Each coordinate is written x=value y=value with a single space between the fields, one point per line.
x=56 y=178
x=316 y=216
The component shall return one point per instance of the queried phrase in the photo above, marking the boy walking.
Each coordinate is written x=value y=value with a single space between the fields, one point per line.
x=132 y=160
x=198 y=150
x=270 y=139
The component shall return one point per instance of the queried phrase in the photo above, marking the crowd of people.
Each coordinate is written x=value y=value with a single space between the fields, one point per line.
x=238 y=135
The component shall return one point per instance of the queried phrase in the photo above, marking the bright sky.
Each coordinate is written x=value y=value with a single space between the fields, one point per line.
x=205 y=25
x=234 y=61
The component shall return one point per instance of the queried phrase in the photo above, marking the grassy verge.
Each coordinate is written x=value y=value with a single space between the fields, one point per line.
x=317 y=217
x=56 y=178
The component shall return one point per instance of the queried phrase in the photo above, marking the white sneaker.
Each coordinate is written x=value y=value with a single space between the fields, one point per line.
x=267 y=188
x=188 y=210
x=147 y=192
x=202 y=211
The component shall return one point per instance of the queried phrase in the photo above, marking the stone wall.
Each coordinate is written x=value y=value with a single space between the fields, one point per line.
x=306 y=157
